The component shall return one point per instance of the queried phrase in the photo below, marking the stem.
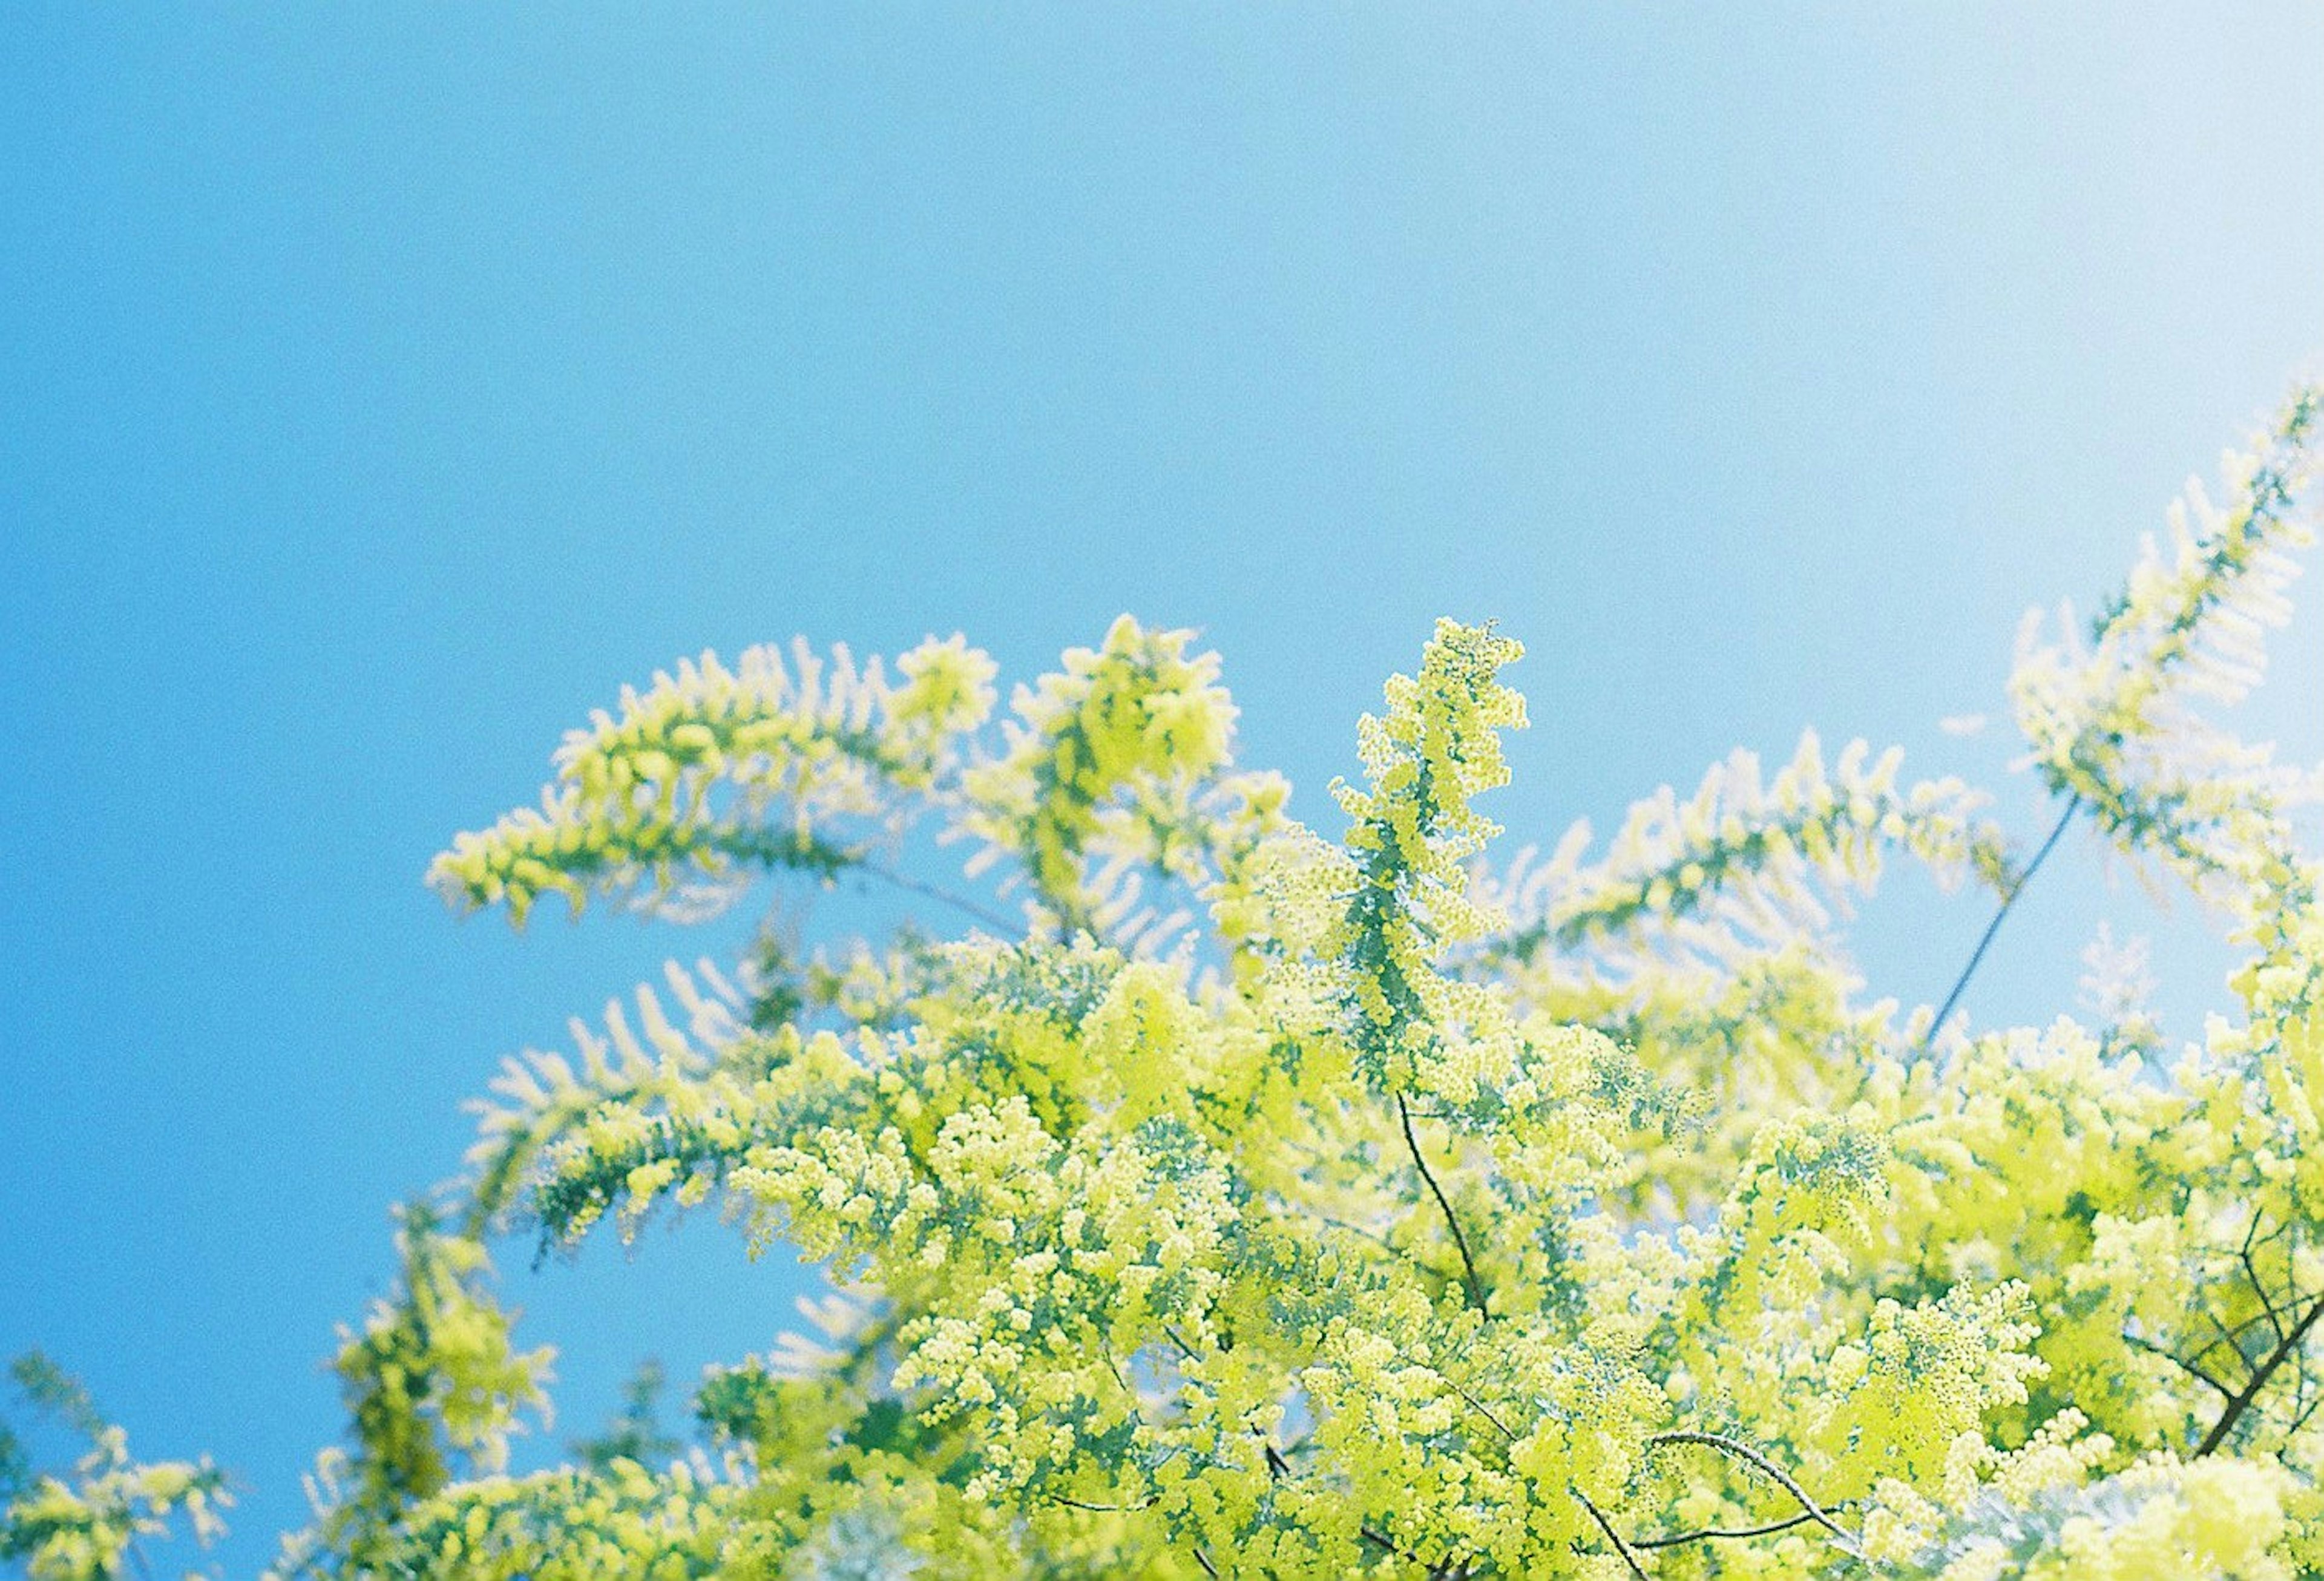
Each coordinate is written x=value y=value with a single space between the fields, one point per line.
x=1708 y=1533
x=1477 y=1406
x=2259 y=1286
x=2182 y=1363
x=1774 y=1473
x=2074 y=805
x=1613 y=1536
x=1468 y=1264
x=991 y=919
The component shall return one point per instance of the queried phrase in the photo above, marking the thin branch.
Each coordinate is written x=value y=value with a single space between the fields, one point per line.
x=1203 y=1559
x=2301 y=1407
x=2182 y=1363
x=2227 y=1336
x=2017 y=888
x=2259 y=1286
x=2288 y=1232
x=1278 y=1468
x=1477 y=1406
x=1418 y=1263
x=1475 y=1287
x=1708 y=1532
x=2242 y=1400
x=1105 y=1349
x=1387 y=1544
x=1613 y=1536
x=1769 y=1469
x=990 y=918
x=2307 y=1412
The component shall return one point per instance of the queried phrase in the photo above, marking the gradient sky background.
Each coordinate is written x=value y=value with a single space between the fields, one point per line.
x=381 y=386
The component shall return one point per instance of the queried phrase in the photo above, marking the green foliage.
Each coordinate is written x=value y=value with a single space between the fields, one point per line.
x=83 y=1524
x=1226 y=1197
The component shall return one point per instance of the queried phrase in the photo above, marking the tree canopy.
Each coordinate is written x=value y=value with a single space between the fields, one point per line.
x=1226 y=1195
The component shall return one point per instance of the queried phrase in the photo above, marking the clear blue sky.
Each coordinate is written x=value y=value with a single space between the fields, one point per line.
x=381 y=386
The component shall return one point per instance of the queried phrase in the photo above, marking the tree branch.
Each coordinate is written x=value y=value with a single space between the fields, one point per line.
x=1613 y=1536
x=1477 y=1406
x=2181 y=1362
x=991 y=919
x=2074 y=805
x=2259 y=1286
x=1773 y=1472
x=1474 y=1286
x=2228 y=1336
x=2242 y=1400
x=1708 y=1533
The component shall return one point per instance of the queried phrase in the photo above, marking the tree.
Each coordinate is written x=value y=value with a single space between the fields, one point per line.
x=1230 y=1198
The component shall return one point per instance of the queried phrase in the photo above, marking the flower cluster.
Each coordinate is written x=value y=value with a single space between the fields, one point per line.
x=710 y=772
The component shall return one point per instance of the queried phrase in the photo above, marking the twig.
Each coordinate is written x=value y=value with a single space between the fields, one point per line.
x=992 y=919
x=2300 y=1408
x=1477 y=1406
x=2181 y=1362
x=1773 y=1472
x=1474 y=1286
x=1708 y=1533
x=2307 y=1412
x=1278 y=1467
x=1613 y=1536
x=2259 y=1286
x=2227 y=1336
x=2008 y=899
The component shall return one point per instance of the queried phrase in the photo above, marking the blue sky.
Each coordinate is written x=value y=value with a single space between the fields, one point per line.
x=383 y=386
